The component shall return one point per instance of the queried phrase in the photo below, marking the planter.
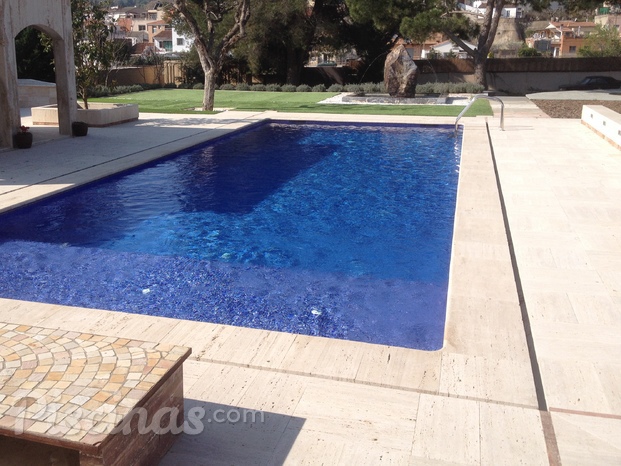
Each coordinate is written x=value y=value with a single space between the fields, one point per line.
x=23 y=140
x=98 y=114
x=79 y=128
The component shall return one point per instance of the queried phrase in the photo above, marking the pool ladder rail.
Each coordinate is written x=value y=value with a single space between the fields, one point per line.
x=488 y=97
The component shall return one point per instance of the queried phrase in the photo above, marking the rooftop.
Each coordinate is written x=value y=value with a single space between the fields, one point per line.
x=529 y=372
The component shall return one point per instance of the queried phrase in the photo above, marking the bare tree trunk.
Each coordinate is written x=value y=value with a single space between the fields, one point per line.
x=84 y=92
x=480 y=70
x=294 y=66
x=210 y=90
x=493 y=13
x=211 y=68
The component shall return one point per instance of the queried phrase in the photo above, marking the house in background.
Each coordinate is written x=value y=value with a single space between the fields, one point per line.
x=561 y=38
x=148 y=29
x=163 y=40
x=447 y=49
x=180 y=43
x=609 y=17
x=477 y=7
x=420 y=51
x=155 y=27
x=131 y=19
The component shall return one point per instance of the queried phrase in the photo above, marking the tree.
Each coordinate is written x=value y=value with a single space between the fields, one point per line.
x=92 y=50
x=216 y=26
x=603 y=42
x=120 y=54
x=191 y=67
x=282 y=33
x=34 y=59
x=278 y=36
x=418 y=20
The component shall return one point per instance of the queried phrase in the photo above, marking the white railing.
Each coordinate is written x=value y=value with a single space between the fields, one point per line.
x=488 y=97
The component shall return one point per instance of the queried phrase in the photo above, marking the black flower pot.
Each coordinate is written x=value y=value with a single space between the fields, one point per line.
x=79 y=128
x=23 y=140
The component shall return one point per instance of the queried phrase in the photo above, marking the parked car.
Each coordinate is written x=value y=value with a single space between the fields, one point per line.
x=593 y=82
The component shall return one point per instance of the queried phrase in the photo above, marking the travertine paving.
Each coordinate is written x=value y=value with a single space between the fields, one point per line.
x=563 y=210
x=501 y=389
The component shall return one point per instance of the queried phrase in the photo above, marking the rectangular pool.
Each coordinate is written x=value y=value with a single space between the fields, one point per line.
x=336 y=230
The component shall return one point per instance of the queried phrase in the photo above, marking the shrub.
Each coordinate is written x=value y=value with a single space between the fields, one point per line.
x=442 y=88
x=355 y=89
x=227 y=87
x=449 y=88
x=258 y=87
x=526 y=51
x=303 y=88
x=198 y=86
x=335 y=88
x=170 y=86
x=466 y=88
x=457 y=88
x=370 y=88
x=273 y=88
x=288 y=88
x=433 y=88
x=184 y=86
x=319 y=88
x=99 y=91
x=242 y=87
x=426 y=88
x=126 y=89
x=148 y=86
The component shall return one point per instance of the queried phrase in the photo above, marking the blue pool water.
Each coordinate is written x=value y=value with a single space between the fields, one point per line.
x=332 y=230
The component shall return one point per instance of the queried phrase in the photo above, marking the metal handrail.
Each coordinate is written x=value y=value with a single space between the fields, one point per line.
x=488 y=97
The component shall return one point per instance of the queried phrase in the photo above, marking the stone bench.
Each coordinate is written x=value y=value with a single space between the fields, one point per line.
x=603 y=121
x=87 y=399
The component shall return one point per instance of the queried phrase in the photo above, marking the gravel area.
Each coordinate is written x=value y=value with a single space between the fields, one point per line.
x=572 y=108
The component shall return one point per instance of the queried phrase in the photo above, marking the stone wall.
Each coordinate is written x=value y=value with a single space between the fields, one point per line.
x=520 y=75
x=33 y=93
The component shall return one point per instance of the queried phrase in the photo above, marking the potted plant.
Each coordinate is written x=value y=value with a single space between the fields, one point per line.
x=23 y=139
x=79 y=128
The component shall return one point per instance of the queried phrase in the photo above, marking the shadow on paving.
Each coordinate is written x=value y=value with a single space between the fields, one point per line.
x=232 y=435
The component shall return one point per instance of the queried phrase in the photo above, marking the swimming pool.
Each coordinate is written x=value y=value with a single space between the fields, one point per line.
x=335 y=230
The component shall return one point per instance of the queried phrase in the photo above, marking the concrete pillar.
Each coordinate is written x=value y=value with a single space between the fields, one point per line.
x=9 y=98
x=65 y=72
x=65 y=86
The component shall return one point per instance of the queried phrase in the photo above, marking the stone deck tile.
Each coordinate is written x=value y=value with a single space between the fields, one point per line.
x=566 y=256
x=587 y=439
x=310 y=420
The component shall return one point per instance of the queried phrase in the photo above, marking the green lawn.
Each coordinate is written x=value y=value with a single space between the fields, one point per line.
x=186 y=100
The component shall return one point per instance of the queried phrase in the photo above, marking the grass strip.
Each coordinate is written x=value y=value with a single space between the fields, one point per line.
x=185 y=101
